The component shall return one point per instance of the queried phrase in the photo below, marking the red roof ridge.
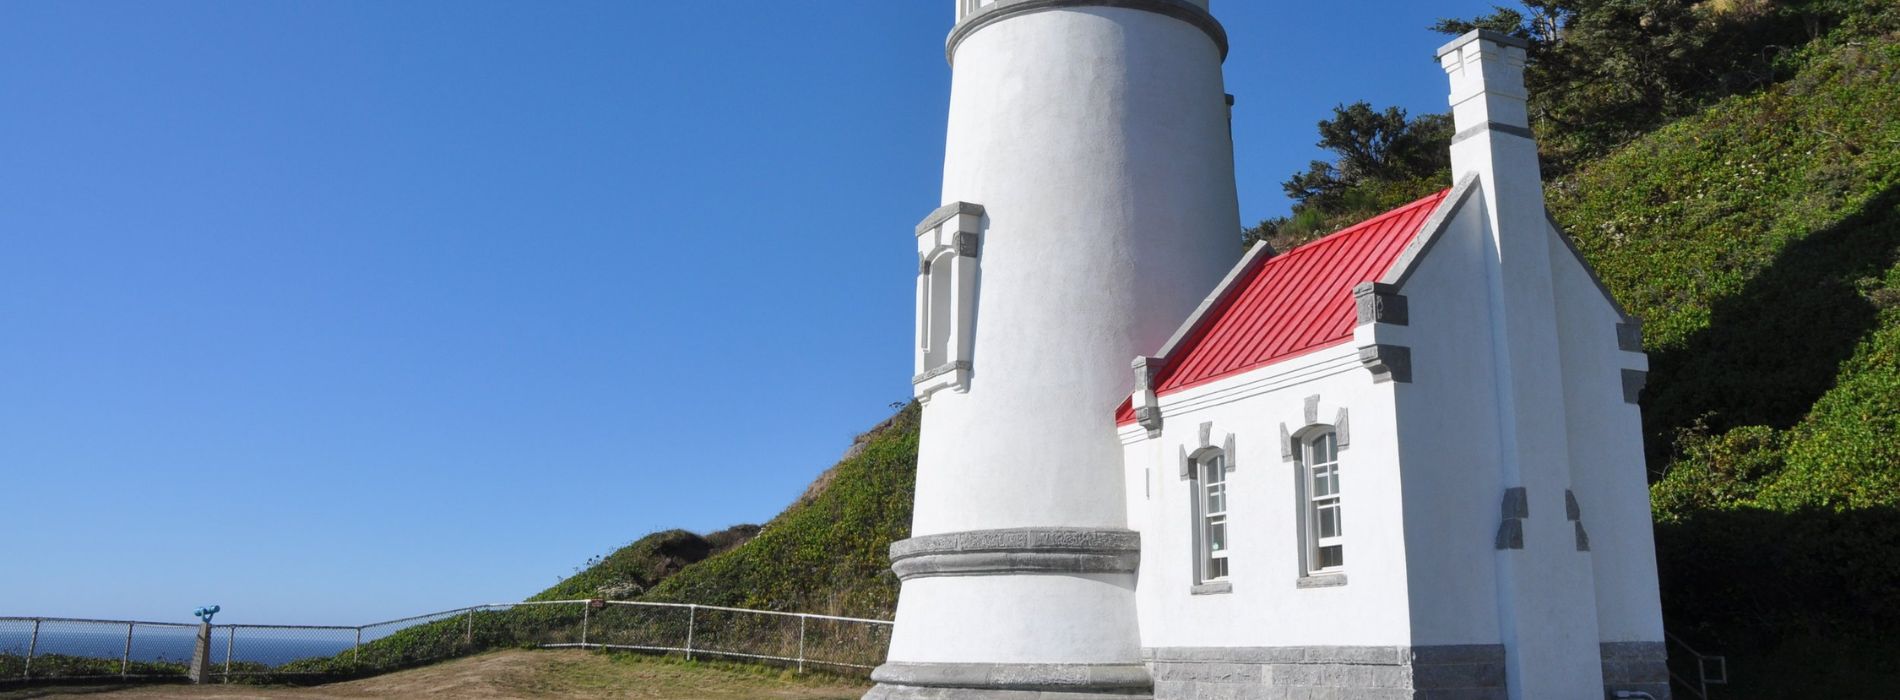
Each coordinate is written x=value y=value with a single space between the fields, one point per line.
x=1291 y=304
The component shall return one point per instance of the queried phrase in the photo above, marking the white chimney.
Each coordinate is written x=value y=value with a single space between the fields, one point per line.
x=1547 y=610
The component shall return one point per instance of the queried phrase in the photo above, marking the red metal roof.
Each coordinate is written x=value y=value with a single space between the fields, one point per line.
x=1291 y=305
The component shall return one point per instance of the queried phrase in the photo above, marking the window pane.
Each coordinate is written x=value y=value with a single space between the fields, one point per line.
x=1328 y=522
x=1217 y=568
x=1331 y=557
x=1217 y=534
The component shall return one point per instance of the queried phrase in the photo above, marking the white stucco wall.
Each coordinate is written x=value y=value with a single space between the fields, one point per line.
x=1266 y=607
x=1097 y=140
x=1449 y=438
x=1606 y=455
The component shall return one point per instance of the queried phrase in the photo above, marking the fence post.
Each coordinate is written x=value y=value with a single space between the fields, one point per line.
x=801 y=642
x=230 y=640
x=692 y=616
x=125 y=662
x=468 y=629
x=356 y=650
x=587 y=611
x=32 y=647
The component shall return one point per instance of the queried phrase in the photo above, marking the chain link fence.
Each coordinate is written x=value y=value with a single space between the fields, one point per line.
x=36 y=650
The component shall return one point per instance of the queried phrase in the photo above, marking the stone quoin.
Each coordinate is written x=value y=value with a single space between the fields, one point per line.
x=1137 y=476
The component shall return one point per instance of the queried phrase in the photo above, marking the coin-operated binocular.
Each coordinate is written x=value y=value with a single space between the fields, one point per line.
x=201 y=653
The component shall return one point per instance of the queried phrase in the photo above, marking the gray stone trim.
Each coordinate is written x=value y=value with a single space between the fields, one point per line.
x=1207 y=434
x=967 y=244
x=1595 y=279
x=1211 y=588
x=1203 y=314
x=1636 y=666
x=1147 y=406
x=1227 y=451
x=1510 y=534
x=1342 y=429
x=1187 y=465
x=1515 y=507
x=1517 y=503
x=1363 y=672
x=1484 y=34
x=1321 y=581
x=1063 y=678
x=1572 y=510
x=1428 y=236
x=1583 y=538
x=1312 y=409
x=940 y=370
x=1388 y=363
x=1286 y=444
x=1004 y=9
x=905 y=692
x=1017 y=551
x=1523 y=132
x=1633 y=382
x=1629 y=335
x=1380 y=303
x=947 y=212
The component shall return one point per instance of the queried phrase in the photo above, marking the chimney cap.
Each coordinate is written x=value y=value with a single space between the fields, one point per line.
x=1485 y=35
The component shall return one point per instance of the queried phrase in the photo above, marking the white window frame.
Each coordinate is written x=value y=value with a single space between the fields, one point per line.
x=1321 y=489
x=1211 y=512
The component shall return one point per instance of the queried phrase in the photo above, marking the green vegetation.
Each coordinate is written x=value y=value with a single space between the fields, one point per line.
x=828 y=553
x=1759 y=239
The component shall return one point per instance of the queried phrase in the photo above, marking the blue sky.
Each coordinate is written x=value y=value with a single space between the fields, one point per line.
x=330 y=312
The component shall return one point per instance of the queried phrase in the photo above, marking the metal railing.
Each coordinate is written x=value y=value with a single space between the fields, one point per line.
x=1710 y=669
x=36 y=649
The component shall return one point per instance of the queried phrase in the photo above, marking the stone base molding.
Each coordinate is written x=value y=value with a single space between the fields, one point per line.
x=899 y=680
x=1045 y=550
x=1636 y=666
x=1464 y=672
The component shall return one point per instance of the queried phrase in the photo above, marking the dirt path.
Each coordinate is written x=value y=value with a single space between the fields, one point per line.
x=528 y=675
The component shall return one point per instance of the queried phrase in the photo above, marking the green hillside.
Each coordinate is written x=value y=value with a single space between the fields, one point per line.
x=1759 y=240
x=827 y=553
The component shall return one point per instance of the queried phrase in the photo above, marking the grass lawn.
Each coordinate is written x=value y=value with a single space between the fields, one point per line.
x=525 y=674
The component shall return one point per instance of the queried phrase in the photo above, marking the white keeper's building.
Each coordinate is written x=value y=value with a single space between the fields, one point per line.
x=1402 y=461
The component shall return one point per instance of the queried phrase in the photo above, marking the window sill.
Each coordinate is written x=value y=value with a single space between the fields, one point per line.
x=1212 y=588
x=1322 y=581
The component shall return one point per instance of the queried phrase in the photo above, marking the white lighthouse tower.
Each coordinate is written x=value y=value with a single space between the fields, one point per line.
x=1089 y=206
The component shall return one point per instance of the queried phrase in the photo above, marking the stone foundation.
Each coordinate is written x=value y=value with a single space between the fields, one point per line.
x=1474 y=672
x=1636 y=666
x=898 y=680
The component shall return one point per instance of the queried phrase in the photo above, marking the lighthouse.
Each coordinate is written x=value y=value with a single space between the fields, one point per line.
x=1088 y=206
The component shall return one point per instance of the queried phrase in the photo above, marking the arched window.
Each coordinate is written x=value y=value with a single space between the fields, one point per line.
x=1210 y=515
x=1323 y=526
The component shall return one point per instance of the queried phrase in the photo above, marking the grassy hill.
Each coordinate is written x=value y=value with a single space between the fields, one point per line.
x=1760 y=240
x=826 y=553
